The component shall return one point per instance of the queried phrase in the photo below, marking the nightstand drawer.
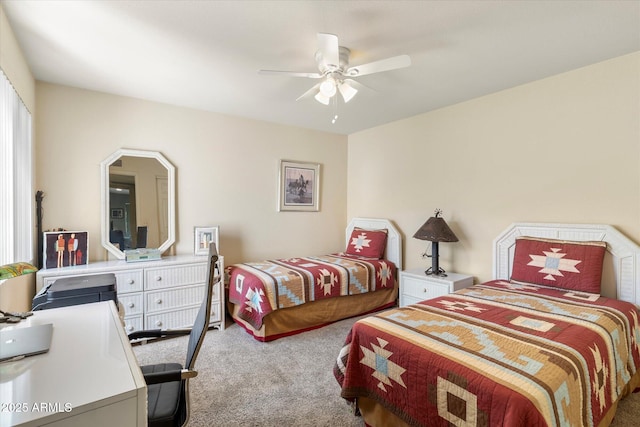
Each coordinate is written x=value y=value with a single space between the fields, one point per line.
x=416 y=286
x=408 y=300
x=422 y=289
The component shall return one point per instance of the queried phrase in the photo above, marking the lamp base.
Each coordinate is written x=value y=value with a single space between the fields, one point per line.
x=435 y=269
x=431 y=272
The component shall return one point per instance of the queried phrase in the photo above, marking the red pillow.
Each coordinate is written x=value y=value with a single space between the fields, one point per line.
x=367 y=243
x=559 y=263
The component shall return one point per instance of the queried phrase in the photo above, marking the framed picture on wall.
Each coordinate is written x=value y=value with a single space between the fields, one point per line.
x=203 y=236
x=117 y=213
x=299 y=186
x=65 y=248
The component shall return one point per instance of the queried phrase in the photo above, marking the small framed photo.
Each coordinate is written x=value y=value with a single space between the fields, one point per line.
x=299 y=185
x=203 y=237
x=65 y=249
x=117 y=213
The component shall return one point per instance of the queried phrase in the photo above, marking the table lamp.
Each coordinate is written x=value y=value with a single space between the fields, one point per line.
x=435 y=230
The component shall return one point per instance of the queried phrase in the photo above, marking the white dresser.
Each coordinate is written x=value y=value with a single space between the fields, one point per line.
x=416 y=286
x=161 y=294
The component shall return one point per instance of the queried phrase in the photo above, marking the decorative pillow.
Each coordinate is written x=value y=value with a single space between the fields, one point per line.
x=559 y=263
x=17 y=269
x=367 y=243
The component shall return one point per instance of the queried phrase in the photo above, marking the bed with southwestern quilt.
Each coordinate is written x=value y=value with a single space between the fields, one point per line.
x=495 y=354
x=258 y=289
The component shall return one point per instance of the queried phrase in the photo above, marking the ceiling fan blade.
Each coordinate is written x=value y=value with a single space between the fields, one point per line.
x=357 y=85
x=315 y=89
x=290 y=74
x=388 y=64
x=328 y=45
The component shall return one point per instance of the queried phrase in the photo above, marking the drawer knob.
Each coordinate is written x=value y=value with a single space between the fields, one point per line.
x=159 y=301
x=424 y=290
x=129 y=328
x=131 y=281
x=131 y=305
x=158 y=278
x=158 y=323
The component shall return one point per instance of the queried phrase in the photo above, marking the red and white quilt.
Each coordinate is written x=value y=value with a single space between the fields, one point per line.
x=496 y=354
x=259 y=288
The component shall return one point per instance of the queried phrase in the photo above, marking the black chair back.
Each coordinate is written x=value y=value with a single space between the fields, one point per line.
x=117 y=236
x=141 y=237
x=201 y=324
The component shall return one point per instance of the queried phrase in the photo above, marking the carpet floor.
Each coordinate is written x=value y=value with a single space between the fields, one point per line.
x=287 y=382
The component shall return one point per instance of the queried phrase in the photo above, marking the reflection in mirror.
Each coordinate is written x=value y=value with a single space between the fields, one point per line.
x=138 y=201
x=122 y=203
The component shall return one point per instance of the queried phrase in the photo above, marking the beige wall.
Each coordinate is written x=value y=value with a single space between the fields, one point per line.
x=226 y=171
x=562 y=149
x=14 y=65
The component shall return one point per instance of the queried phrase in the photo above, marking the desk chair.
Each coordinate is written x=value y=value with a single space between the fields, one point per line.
x=141 y=238
x=117 y=237
x=168 y=383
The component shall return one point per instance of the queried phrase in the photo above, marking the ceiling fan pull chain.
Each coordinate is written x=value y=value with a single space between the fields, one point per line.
x=335 y=109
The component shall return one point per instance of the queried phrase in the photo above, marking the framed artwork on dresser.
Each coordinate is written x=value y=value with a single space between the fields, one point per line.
x=65 y=248
x=203 y=236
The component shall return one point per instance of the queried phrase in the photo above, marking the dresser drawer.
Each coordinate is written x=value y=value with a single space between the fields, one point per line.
x=422 y=289
x=168 y=299
x=181 y=318
x=133 y=323
x=129 y=281
x=166 y=277
x=132 y=303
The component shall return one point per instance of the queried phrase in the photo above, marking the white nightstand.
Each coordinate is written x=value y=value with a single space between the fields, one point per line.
x=416 y=286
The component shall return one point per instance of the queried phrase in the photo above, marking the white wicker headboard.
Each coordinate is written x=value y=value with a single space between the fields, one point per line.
x=393 y=251
x=621 y=270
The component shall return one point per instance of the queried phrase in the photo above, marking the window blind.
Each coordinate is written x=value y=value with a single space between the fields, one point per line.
x=16 y=177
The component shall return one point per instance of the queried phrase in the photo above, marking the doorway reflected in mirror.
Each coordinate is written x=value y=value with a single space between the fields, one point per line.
x=138 y=201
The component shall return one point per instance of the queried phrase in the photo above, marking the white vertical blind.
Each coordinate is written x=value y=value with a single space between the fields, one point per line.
x=16 y=177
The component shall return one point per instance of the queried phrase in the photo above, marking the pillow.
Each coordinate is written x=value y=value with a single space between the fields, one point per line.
x=17 y=269
x=559 y=263
x=367 y=243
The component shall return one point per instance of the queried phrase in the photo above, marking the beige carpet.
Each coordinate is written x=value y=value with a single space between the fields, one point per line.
x=287 y=382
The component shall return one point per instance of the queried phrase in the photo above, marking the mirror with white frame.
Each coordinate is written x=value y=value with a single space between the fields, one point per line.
x=138 y=201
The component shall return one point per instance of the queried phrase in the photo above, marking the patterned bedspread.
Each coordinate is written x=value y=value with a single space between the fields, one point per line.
x=262 y=287
x=495 y=354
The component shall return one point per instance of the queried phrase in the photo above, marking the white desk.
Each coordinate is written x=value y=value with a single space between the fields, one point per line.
x=89 y=377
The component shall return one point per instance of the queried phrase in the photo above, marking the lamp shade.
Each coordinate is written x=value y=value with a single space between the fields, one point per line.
x=435 y=230
x=347 y=91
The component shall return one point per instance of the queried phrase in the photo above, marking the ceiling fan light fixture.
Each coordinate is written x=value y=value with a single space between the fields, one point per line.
x=322 y=99
x=347 y=91
x=328 y=87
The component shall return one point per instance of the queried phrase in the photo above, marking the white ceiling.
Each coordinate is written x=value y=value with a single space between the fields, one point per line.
x=206 y=54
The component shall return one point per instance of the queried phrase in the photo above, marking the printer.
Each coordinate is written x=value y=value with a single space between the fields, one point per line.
x=77 y=290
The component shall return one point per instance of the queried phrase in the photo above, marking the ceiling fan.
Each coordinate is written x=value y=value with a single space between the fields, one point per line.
x=335 y=73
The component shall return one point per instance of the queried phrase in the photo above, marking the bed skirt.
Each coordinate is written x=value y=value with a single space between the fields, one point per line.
x=312 y=315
